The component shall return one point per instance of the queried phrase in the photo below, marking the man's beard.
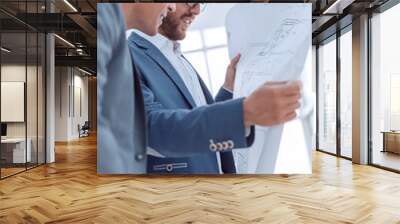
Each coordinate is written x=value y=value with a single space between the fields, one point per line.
x=170 y=27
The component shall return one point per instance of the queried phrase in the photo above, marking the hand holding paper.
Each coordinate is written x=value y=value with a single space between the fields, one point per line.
x=272 y=103
x=231 y=73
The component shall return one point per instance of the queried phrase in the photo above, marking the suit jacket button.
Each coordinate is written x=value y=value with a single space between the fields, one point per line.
x=213 y=146
x=219 y=146
x=231 y=145
x=168 y=167
x=226 y=145
x=139 y=157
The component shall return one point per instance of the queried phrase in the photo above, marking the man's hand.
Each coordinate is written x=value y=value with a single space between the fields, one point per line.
x=231 y=73
x=272 y=103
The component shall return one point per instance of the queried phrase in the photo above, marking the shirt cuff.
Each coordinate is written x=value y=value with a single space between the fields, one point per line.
x=227 y=89
x=247 y=132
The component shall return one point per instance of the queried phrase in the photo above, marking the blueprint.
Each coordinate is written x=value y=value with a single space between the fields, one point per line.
x=274 y=41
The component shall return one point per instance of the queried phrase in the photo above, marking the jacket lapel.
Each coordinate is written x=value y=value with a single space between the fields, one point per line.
x=206 y=92
x=157 y=56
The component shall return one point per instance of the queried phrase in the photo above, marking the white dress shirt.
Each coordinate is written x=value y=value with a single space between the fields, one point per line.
x=172 y=51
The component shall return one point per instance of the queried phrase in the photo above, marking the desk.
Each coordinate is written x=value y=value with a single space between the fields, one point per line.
x=13 y=150
x=391 y=141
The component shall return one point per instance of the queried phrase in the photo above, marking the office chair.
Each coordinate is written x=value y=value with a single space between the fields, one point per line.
x=84 y=130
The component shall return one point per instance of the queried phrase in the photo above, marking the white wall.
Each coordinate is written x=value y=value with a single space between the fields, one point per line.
x=70 y=83
x=61 y=103
x=12 y=100
x=14 y=73
x=10 y=73
x=33 y=126
x=17 y=73
x=80 y=84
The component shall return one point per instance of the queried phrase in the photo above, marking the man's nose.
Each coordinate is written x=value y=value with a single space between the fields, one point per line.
x=196 y=10
x=171 y=7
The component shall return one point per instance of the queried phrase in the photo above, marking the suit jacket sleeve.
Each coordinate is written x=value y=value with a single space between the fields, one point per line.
x=184 y=132
x=224 y=95
x=228 y=165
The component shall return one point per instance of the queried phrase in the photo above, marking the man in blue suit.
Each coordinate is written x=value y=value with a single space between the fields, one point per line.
x=121 y=134
x=190 y=133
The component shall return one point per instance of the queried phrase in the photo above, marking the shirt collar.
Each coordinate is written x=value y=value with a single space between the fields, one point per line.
x=160 y=41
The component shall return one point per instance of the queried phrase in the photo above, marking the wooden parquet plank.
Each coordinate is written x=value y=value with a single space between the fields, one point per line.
x=70 y=191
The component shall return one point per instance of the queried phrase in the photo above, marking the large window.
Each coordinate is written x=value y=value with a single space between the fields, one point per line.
x=385 y=88
x=327 y=96
x=207 y=51
x=334 y=60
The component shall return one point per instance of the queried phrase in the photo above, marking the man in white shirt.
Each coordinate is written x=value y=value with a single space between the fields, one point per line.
x=187 y=129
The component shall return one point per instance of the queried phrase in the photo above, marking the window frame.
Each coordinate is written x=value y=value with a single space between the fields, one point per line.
x=204 y=49
x=334 y=37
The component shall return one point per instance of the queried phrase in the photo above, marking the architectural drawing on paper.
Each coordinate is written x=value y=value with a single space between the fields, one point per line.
x=274 y=41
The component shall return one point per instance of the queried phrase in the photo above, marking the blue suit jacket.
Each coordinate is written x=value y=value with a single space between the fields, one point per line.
x=179 y=130
x=121 y=135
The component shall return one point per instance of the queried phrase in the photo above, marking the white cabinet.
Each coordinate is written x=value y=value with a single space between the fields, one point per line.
x=18 y=149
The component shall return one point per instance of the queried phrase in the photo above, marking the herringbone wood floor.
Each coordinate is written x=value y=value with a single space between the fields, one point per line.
x=70 y=191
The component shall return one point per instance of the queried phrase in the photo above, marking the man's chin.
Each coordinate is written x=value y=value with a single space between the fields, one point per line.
x=175 y=34
x=181 y=36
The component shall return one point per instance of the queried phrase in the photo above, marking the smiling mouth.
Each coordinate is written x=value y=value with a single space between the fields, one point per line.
x=187 y=22
x=162 y=17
